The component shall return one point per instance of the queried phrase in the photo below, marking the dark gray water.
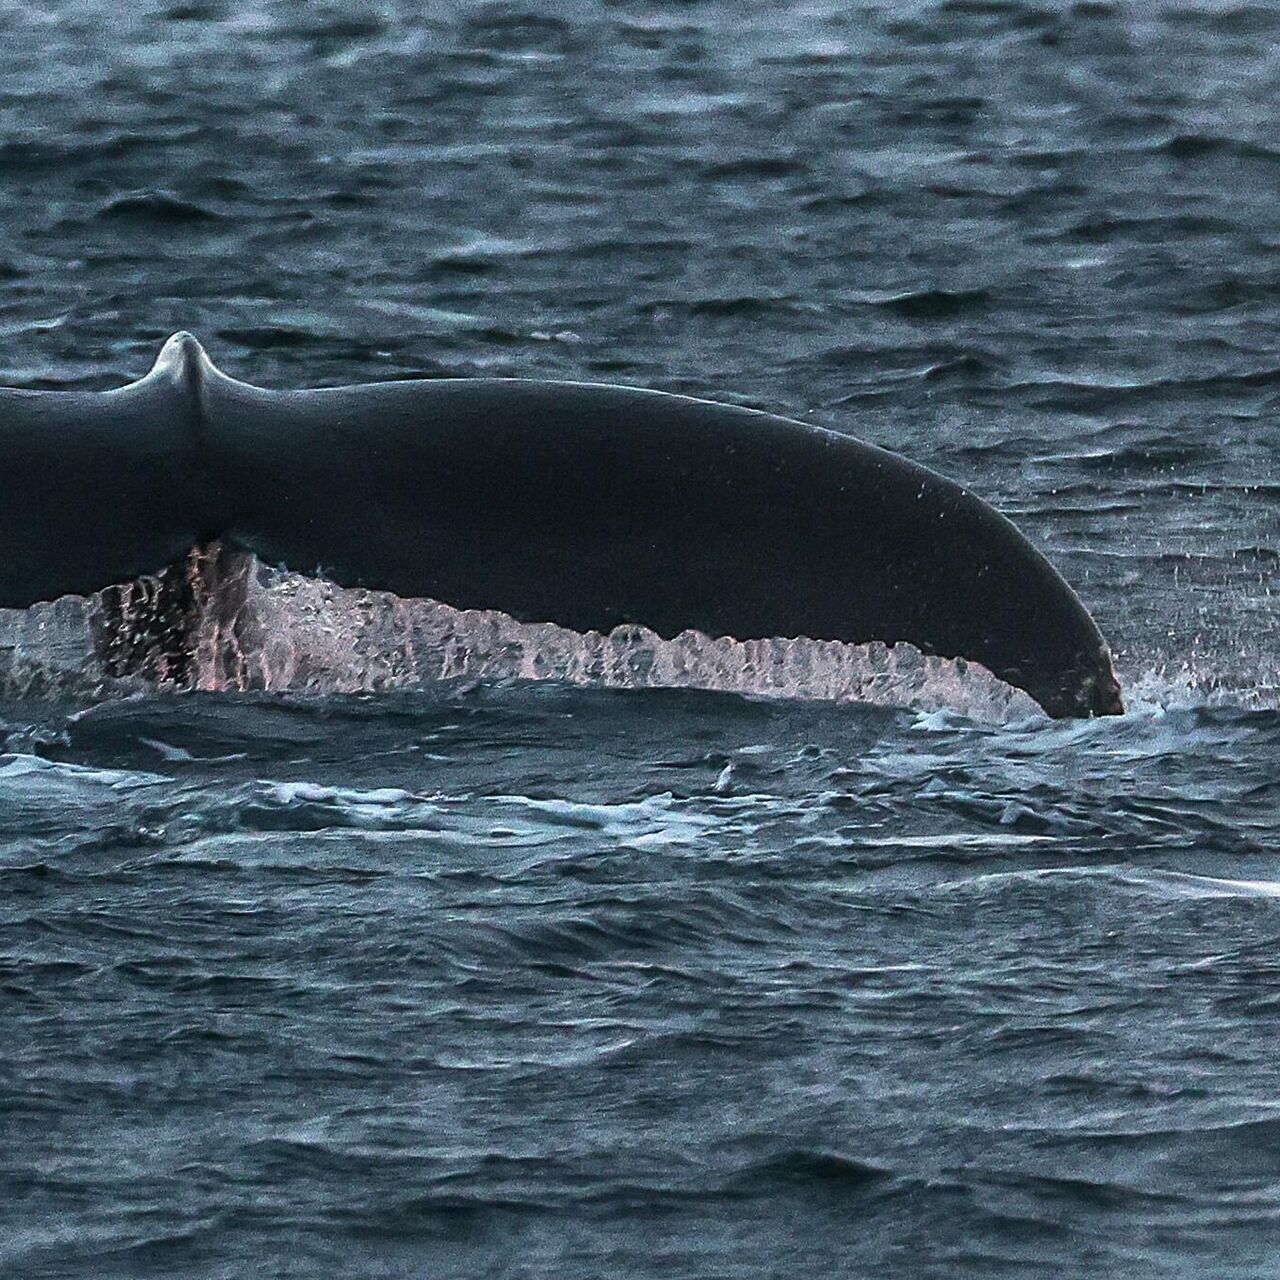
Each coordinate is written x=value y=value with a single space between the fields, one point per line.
x=541 y=981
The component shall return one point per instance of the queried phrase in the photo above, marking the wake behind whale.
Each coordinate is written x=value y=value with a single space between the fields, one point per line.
x=582 y=507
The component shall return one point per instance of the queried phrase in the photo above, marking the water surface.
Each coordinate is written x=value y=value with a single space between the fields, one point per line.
x=537 y=980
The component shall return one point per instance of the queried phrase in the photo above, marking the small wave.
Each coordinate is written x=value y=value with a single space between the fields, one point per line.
x=1101 y=229
x=654 y=822
x=1165 y=886
x=819 y=1168
x=331 y=33
x=932 y=304
x=271 y=337
x=1247 y=1146
x=884 y=372
x=984 y=8
x=24 y=771
x=967 y=368
x=1080 y=395
x=744 y=306
x=485 y=253
x=1229 y=20
x=755 y=167
x=1195 y=146
x=839 y=202
x=196 y=12
x=309 y=806
x=1221 y=886
x=515 y=30
x=42 y=153
x=1146 y=457
x=155 y=208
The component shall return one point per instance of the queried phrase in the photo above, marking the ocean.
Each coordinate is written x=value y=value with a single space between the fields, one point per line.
x=478 y=974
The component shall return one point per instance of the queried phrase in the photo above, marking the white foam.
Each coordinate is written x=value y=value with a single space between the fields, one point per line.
x=17 y=769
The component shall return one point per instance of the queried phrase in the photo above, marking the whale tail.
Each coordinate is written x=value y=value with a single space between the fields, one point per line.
x=584 y=505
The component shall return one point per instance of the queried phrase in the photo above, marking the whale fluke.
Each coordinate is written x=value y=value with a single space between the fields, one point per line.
x=100 y=487
x=580 y=504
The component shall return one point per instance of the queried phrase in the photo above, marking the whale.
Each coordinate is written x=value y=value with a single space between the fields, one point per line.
x=586 y=505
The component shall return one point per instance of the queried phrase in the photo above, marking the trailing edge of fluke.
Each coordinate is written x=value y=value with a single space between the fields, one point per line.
x=585 y=505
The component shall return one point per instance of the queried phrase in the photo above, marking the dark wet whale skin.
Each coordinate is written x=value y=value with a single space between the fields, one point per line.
x=586 y=505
